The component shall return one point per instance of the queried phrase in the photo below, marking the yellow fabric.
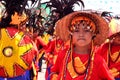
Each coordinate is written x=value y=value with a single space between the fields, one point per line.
x=40 y=54
x=71 y=70
x=18 y=51
x=34 y=69
x=80 y=68
x=46 y=38
x=114 y=72
x=114 y=55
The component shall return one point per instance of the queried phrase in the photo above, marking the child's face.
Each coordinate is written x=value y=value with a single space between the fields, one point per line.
x=82 y=35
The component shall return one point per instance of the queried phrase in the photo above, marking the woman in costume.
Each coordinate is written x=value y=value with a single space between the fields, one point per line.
x=110 y=51
x=78 y=61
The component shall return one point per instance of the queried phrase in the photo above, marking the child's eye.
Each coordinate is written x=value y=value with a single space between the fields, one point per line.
x=76 y=30
x=87 y=30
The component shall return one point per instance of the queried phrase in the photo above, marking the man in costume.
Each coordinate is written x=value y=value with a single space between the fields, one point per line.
x=79 y=61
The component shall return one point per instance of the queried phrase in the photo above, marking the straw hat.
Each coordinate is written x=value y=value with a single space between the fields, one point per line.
x=101 y=26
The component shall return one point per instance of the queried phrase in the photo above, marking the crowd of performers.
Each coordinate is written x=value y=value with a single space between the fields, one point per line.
x=83 y=46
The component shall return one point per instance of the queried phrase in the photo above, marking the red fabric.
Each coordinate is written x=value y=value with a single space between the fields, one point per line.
x=25 y=40
x=12 y=31
x=103 y=51
x=39 y=42
x=2 y=72
x=99 y=71
x=54 y=46
x=51 y=50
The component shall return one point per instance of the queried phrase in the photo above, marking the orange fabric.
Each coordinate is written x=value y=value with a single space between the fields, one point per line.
x=54 y=77
x=17 y=19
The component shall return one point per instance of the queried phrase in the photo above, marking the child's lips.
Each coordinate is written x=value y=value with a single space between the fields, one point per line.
x=81 y=39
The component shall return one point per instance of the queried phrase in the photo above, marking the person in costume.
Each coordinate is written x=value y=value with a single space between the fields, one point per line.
x=78 y=61
x=40 y=43
x=59 y=8
x=51 y=53
x=110 y=50
x=17 y=50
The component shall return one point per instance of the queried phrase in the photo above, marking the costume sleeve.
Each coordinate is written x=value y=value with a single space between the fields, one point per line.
x=58 y=65
x=102 y=50
x=39 y=42
x=50 y=47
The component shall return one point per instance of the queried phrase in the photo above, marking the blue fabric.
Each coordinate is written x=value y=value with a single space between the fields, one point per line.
x=25 y=76
x=49 y=71
x=117 y=78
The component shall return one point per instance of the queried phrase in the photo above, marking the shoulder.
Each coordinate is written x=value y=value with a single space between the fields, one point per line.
x=63 y=52
x=98 y=59
x=102 y=49
x=105 y=45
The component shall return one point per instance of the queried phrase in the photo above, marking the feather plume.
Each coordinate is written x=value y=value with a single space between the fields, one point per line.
x=13 y=6
x=63 y=7
x=59 y=9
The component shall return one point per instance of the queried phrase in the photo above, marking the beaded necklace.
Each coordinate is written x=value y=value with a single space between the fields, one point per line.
x=88 y=70
x=113 y=57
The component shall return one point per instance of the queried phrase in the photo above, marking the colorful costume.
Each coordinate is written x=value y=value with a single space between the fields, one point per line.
x=111 y=51
x=17 y=52
x=51 y=53
x=74 y=66
x=78 y=68
x=112 y=57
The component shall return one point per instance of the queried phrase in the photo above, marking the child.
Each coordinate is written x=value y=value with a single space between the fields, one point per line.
x=78 y=61
x=110 y=51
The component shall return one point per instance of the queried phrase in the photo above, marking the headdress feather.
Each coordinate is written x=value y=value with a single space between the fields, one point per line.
x=13 y=6
x=60 y=8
